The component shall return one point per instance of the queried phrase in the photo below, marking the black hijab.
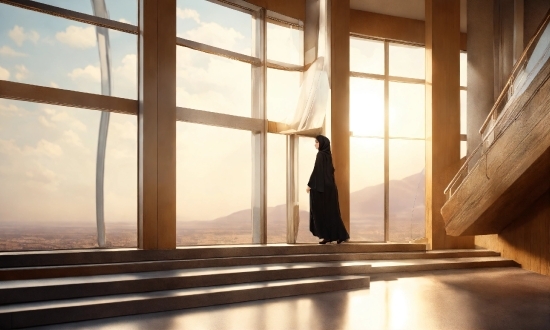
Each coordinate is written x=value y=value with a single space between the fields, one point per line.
x=323 y=172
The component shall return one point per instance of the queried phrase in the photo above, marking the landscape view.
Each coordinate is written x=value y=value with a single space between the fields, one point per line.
x=406 y=224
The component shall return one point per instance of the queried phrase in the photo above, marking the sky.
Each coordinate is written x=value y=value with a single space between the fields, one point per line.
x=48 y=153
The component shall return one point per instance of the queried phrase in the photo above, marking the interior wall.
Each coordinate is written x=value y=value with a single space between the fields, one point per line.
x=526 y=240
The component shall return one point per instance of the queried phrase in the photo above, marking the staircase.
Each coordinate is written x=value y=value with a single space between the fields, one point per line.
x=41 y=288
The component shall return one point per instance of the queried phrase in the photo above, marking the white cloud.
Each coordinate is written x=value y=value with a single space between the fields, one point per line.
x=54 y=85
x=188 y=13
x=90 y=72
x=128 y=69
x=8 y=51
x=126 y=130
x=4 y=74
x=45 y=122
x=72 y=138
x=22 y=72
x=48 y=148
x=215 y=34
x=19 y=36
x=122 y=20
x=78 y=37
x=10 y=110
x=65 y=118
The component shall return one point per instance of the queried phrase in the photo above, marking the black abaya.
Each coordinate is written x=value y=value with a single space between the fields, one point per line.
x=325 y=220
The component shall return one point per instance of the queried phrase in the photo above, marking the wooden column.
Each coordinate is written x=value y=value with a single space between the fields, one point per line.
x=157 y=125
x=442 y=115
x=339 y=18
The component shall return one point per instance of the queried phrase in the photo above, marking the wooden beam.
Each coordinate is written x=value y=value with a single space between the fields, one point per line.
x=391 y=27
x=57 y=96
x=294 y=9
x=442 y=115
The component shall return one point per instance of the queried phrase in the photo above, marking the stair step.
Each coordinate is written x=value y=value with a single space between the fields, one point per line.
x=101 y=256
x=21 y=291
x=72 y=310
x=416 y=265
x=20 y=273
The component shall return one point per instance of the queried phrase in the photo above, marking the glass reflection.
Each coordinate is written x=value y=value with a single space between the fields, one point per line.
x=367 y=189
x=367 y=107
x=283 y=88
x=50 y=51
x=47 y=195
x=213 y=83
x=215 y=25
x=213 y=191
x=366 y=55
x=276 y=188
x=407 y=61
x=407 y=110
x=285 y=44
x=407 y=190
x=119 y=10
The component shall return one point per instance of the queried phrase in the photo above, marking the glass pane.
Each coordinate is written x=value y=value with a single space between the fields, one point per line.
x=45 y=50
x=463 y=112
x=213 y=185
x=367 y=107
x=367 y=189
x=276 y=188
x=48 y=174
x=366 y=55
x=407 y=61
x=283 y=89
x=306 y=161
x=119 y=10
x=285 y=44
x=213 y=83
x=407 y=190
x=407 y=110
x=216 y=25
x=463 y=69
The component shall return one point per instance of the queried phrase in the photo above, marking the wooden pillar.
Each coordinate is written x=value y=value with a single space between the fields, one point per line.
x=157 y=125
x=442 y=115
x=339 y=16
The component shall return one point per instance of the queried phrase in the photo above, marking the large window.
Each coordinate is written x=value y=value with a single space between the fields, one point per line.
x=387 y=123
x=219 y=83
x=48 y=153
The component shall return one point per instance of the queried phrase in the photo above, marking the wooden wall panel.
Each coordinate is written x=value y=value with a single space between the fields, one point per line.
x=391 y=27
x=526 y=240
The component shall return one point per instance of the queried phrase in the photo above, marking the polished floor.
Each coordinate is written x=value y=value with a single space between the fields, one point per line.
x=499 y=298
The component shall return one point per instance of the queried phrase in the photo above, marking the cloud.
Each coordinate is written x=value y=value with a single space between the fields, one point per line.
x=10 y=110
x=128 y=69
x=48 y=148
x=71 y=137
x=22 y=72
x=65 y=118
x=54 y=85
x=4 y=74
x=78 y=37
x=122 y=20
x=8 y=51
x=188 y=13
x=215 y=34
x=19 y=36
x=90 y=72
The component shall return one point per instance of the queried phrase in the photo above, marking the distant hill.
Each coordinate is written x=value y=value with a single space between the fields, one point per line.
x=366 y=205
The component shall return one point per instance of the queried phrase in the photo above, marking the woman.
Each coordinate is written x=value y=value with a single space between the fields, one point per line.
x=325 y=220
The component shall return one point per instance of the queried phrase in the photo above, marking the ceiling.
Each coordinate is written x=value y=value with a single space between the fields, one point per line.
x=403 y=8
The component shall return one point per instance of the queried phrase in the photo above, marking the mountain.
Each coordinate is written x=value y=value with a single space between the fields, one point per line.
x=366 y=205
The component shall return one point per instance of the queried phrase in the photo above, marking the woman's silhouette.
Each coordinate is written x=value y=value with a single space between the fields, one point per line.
x=325 y=220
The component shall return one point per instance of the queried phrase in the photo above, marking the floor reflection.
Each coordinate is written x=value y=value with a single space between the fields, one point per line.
x=500 y=298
